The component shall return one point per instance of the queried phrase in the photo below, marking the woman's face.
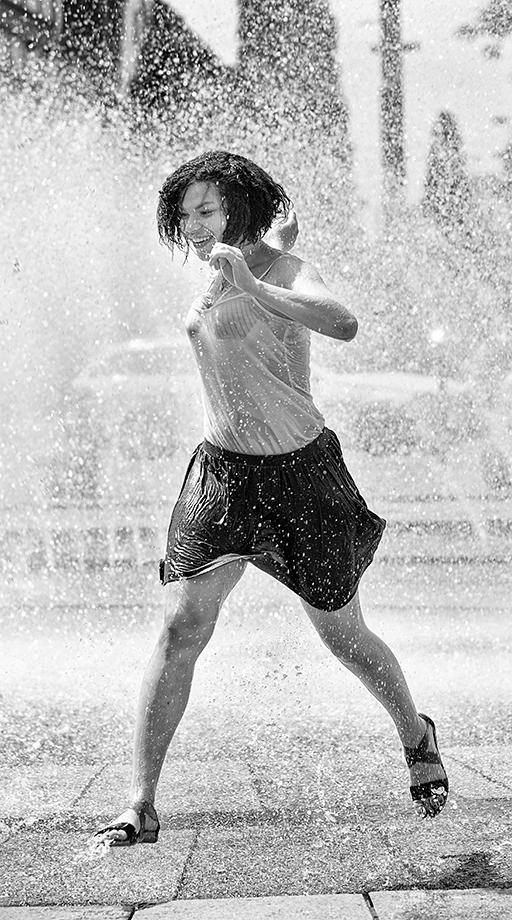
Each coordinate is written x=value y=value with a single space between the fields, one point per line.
x=203 y=220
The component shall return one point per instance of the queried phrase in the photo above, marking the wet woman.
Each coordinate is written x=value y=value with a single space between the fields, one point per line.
x=268 y=485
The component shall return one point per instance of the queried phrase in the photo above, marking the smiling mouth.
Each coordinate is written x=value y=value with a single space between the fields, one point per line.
x=202 y=240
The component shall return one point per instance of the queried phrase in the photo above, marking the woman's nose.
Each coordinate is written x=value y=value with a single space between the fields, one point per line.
x=191 y=223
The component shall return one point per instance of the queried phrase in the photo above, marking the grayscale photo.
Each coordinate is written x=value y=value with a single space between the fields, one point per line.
x=256 y=459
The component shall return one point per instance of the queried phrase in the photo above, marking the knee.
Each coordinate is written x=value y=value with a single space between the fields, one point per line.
x=186 y=628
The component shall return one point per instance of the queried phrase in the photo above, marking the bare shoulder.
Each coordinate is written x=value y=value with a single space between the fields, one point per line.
x=288 y=270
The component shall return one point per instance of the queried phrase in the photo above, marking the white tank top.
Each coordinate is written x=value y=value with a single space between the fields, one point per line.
x=254 y=368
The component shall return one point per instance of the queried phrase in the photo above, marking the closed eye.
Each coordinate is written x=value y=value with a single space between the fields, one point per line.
x=184 y=216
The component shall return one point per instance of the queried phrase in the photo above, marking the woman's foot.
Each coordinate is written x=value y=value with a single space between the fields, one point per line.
x=429 y=782
x=138 y=824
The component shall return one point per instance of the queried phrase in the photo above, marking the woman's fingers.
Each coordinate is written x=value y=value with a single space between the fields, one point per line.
x=222 y=265
x=226 y=269
x=230 y=261
x=223 y=251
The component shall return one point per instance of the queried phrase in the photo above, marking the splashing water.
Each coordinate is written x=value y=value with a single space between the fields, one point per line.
x=83 y=273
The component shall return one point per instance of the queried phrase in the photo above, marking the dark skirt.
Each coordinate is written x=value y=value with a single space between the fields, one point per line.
x=297 y=516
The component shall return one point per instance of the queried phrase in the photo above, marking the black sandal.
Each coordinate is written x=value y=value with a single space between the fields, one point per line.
x=144 y=835
x=429 y=798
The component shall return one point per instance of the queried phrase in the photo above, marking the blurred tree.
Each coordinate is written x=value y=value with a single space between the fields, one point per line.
x=91 y=35
x=391 y=107
x=495 y=20
x=447 y=195
x=287 y=68
x=171 y=67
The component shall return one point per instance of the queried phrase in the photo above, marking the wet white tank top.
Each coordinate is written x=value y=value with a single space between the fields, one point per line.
x=255 y=374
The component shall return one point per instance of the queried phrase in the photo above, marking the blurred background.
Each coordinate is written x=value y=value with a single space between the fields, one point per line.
x=390 y=127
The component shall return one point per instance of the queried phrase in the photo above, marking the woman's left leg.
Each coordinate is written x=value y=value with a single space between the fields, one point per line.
x=347 y=636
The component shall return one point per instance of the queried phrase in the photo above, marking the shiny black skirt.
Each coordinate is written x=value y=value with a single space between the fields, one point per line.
x=297 y=516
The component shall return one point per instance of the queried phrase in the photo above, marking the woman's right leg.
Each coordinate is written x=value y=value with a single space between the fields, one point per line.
x=191 y=612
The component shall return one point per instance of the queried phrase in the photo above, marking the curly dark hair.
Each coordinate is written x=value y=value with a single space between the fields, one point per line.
x=251 y=199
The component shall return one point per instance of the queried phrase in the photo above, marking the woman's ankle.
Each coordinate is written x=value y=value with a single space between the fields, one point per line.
x=414 y=734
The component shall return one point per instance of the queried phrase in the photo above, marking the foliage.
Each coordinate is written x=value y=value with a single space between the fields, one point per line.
x=448 y=193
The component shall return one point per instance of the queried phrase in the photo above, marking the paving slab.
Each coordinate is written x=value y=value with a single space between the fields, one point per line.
x=46 y=865
x=320 y=907
x=33 y=791
x=65 y=913
x=185 y=786
x=443 y=905
x=271 y=861
x=464 y=847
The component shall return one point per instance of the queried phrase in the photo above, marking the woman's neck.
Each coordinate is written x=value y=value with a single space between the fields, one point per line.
x=251 y=251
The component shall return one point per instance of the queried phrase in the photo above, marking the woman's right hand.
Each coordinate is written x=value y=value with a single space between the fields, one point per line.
x=231 y=262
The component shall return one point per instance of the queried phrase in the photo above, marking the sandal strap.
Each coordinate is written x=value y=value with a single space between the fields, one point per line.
x=129 y=830
x=421 y=753
x=143 y=807
x=414 y=755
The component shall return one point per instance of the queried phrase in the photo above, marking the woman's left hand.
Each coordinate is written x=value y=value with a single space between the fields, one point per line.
x=230 y=261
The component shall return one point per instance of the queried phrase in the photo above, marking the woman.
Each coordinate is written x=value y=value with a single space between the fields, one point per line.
x=268 y=485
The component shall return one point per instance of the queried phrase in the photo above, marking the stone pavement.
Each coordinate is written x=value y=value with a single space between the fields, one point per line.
x=265 y=839
x=271 y=818
x=381 y=905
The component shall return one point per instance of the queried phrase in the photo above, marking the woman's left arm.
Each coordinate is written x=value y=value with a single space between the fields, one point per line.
x=298 y=292
x=308 y=301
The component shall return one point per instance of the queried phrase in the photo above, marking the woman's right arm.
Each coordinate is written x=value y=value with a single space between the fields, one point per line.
x=283 y=233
